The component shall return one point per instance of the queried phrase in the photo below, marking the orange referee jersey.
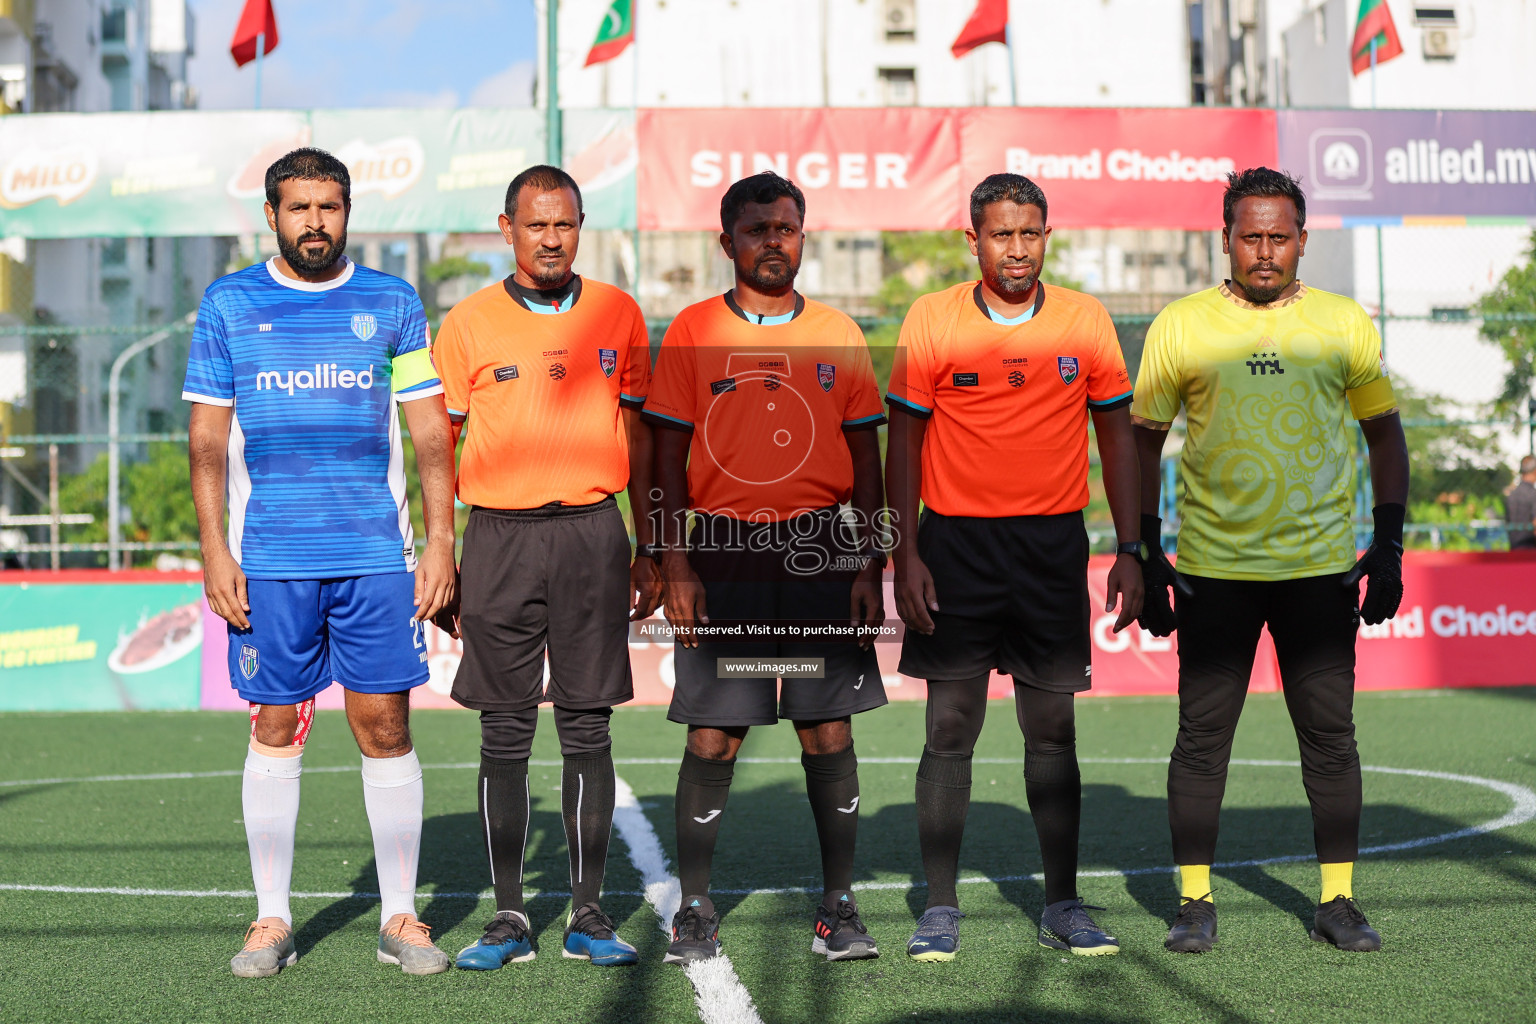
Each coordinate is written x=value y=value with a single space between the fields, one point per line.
x=1007 y=405
x=767 y=405
x=540 y=394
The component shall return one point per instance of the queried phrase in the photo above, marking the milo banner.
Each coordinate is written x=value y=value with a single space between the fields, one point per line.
x=203 y=173
x=77 y=646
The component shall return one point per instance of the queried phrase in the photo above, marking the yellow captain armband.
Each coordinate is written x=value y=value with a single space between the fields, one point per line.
x=411 y=370
x=1370 y=400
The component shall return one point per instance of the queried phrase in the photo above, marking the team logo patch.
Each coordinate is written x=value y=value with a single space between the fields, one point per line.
x=1016 y=379
x=364 y=325
x=967 y=380
x=557 y=371
x=826 y=375
x=1067 y=367
x=249 y=661
x=720 y=387
x=507 y=373
x=607 y=360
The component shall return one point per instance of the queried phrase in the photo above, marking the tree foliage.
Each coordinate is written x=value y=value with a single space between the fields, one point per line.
x=1512 y=309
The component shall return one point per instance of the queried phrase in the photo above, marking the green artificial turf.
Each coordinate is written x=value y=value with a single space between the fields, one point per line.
x=1458 y=917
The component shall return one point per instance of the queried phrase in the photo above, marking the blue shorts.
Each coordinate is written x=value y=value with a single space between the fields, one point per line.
x=359 y=631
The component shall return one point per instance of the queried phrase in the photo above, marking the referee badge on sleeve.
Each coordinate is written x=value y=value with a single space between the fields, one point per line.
x=1067 y=367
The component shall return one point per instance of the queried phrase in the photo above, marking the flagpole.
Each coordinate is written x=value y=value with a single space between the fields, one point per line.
x=634 y=115
x=1013 y=76
x=261 y=44
x=553 y=142
x=1381 y=275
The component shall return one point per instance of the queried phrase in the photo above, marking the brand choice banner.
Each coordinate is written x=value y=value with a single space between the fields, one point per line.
x=1413 y=163
x=1108 y=167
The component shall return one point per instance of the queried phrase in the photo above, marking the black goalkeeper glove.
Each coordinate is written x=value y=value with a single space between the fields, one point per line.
x=1382 y=566
x=1157 y=575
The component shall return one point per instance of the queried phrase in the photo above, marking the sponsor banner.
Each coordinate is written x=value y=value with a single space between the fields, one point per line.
x=68 y=646
x=1109 y=167
x=892 y=169
x=169 y=173
x=1412 y=163
x=429 y=170
x=204 y=173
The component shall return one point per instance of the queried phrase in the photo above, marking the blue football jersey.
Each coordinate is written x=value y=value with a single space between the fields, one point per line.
x=316 y=477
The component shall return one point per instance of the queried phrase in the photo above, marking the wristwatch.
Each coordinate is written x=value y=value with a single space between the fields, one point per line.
x=650 y=551
x=876 y=554
x=1137 y=549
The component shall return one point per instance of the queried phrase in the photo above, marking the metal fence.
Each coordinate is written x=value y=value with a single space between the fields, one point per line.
x=93 y=467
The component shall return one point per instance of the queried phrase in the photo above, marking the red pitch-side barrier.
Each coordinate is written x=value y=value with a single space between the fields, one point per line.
x=1467 y=619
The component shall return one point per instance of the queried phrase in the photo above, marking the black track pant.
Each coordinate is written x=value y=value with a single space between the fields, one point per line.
x=1313 y=622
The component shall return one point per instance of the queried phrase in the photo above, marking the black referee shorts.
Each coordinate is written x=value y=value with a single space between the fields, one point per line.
x=554 y=578
x=796 y=572
x=1013 y=596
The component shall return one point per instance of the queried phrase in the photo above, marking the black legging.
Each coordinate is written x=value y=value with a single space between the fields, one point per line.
x=957 y=709
x=508 y=735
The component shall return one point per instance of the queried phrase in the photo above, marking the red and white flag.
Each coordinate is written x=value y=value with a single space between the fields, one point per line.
x=256 y=19
x=988 y=24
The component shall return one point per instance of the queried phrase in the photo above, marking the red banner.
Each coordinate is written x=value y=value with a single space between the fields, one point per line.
x=899 y=169
x=1120 y=167
x=889 y=169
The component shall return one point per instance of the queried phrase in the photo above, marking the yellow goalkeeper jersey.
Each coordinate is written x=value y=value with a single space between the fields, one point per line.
x=1267 y=472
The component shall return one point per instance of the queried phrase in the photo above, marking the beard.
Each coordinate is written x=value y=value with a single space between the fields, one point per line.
x=305 y=262
x=772 y=271
x=1261 y=296
x=1005 y=285
x=547 y=276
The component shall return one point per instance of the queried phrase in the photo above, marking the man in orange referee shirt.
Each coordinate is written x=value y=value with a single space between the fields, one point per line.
x=547 y=372
x=993 y=387
x=770 y=408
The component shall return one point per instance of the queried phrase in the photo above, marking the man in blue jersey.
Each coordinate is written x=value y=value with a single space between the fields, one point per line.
x=297 y=369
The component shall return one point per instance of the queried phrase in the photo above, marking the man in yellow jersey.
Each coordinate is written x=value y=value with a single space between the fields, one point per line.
x=1265 y=369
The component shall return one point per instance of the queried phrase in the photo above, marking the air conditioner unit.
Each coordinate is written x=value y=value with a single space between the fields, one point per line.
x=1440 y=43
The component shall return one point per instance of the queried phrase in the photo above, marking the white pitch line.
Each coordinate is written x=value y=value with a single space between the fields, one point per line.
x=1521 y=797
x=720 y=995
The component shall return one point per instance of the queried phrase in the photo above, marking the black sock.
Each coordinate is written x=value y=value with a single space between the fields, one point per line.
x=504 y=804
x=943 y=798
x=1054 y=790
x=586 y=803
x=832 y=784
x=702 y=788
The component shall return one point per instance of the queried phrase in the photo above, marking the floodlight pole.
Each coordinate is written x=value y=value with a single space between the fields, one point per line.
x=553 y=141
x=1381 y=266
x=114 y=447
x=261 y=44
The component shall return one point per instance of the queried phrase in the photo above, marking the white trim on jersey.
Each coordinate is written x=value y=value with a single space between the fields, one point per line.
x=237 y=484
x=193 y=396
x=411 y=396
x=310 y=286
x=397 y=488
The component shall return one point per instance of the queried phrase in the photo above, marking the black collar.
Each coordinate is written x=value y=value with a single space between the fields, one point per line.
x=753 y=318
x=544 y=296
x=986 y=310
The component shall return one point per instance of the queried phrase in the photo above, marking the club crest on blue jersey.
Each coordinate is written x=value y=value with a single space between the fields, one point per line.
x=248 y=661
x=826 y=375
x=608 y=360
x=1067 y=367
x=364 y=325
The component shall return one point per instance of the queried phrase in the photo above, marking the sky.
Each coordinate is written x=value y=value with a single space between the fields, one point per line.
x=372 y=53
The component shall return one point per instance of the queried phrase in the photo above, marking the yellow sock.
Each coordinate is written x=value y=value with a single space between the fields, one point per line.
x=1337 y=879
x=1195 y=881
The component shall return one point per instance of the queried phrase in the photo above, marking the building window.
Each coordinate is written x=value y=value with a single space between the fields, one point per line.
x=898 y=87
x=900 y=21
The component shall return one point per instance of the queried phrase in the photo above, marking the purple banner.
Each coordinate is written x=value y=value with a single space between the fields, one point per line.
x=1412 y=163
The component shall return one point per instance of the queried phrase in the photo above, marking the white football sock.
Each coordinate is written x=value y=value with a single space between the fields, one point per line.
x=392 y=794
x=270 y=798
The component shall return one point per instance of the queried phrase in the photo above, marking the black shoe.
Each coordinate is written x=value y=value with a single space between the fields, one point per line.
x=695 y=932
x=840 y=935
x=1066 y=925
x=1340 y=922
x=1194 y=930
